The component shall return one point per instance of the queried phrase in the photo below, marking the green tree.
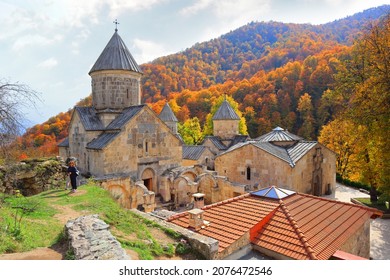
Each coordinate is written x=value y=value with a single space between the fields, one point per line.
x=305 y=109
x=191 y=131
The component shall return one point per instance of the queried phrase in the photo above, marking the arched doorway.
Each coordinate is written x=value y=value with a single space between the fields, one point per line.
x=149 y=178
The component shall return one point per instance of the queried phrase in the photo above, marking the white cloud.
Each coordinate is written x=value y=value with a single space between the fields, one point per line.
x=229 y=9
x=230 y=14
x=48 y=63
x=34 y=40
x=199 y=5
x=77 y=11
x=148 y=50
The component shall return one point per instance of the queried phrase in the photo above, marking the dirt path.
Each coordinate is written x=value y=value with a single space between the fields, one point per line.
x=58 y=251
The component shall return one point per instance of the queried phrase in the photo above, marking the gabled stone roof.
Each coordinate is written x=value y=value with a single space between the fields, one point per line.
x=290 y=155
x=167 y=114
x=102 y=141
x=126 y=115
x=216 y=142
x=278 y=134
x=192 y=152
x=116 y=56
x=64 y=143
x=239 y=139
x=89 y=118
x=225 y=112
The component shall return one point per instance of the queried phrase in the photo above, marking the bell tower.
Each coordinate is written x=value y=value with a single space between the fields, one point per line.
x=116 y=78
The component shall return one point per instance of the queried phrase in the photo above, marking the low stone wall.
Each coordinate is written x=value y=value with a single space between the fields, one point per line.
x=33 y=176
x=127 y=193
x=90 y=239
x=206 y=246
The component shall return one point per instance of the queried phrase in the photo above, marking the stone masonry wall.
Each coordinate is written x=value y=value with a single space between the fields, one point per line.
x=145 y=142
x=359 y=243
x=225 y=128
x=206 y=246
x=115 y=89
x=32 y=177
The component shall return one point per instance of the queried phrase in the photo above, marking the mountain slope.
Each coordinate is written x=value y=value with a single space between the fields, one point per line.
x=277 y=72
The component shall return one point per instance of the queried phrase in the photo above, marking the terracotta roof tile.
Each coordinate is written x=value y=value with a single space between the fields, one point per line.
x=299 y=226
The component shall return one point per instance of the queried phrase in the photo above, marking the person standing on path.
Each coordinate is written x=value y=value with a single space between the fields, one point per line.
x=73 y=173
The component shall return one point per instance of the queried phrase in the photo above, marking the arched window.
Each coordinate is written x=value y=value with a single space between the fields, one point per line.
x=248 y=173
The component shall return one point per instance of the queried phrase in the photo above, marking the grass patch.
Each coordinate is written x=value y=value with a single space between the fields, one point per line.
x=377 y=205
x=39 y=228
x=27 y=223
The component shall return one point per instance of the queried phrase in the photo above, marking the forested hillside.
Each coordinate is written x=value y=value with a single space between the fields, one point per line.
x=279 y=74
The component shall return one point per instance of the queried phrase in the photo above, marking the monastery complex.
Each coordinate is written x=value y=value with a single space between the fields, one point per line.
x=225 y=183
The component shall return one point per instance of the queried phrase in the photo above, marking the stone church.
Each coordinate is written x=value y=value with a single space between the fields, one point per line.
x=117 y=135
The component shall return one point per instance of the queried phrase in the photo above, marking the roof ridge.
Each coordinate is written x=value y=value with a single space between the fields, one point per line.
x=375 y=211
x=256 y=143
x=167 y=114
x=240 y=197
x=225 y=112
x=309 y=250
x=226 y=201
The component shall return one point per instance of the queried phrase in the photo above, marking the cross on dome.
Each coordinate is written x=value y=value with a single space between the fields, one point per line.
x=116 y=25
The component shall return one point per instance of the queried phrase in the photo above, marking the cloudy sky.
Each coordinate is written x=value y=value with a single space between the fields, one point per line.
x=51 y=45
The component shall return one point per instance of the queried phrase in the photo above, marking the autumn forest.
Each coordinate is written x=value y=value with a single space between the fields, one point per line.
x=328 y=82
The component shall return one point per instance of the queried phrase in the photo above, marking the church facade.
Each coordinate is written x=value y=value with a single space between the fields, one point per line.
x=283 y=159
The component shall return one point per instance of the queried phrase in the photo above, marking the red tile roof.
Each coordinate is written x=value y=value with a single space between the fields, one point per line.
x=230 y=219
x=299 y=226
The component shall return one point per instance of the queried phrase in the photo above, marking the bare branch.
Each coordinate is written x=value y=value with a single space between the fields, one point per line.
x=14 y=99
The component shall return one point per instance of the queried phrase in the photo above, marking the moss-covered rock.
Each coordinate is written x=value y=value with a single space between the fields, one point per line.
x=32 y=176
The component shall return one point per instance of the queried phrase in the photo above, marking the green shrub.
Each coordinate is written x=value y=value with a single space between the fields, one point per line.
x=183 y=248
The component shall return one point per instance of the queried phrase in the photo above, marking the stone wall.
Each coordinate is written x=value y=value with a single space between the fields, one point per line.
x=90 y=239
x=128 y=194
x=266 y=169
x=33 y=176
x=237 y=245
x=78 y=140
x=359 y=243
x=115 y=89
x=206 y=246
x=218 y=188
x=145 y=142
x=225 y=129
